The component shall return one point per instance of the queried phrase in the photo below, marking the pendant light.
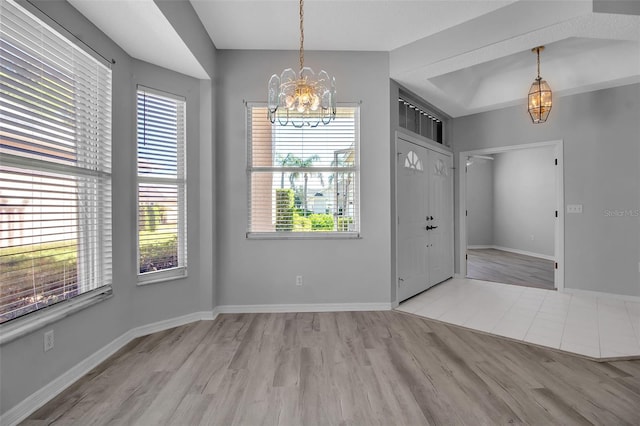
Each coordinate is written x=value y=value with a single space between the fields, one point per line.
x=302 y=99
x=539 y=95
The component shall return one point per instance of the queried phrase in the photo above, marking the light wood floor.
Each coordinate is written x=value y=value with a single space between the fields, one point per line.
x=510 y=268
x=349 y=368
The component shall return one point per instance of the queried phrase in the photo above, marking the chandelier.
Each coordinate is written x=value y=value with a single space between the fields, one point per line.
x=539 y=95
x=303 y=99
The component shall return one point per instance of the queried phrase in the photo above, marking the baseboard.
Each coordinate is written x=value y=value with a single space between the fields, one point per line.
x=311 y=307
x=512 y=250
x=480 y=247
x=171 y=323
x=36 y=400
x=623 y=297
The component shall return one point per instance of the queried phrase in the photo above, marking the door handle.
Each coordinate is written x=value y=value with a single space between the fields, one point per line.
x=429 y=228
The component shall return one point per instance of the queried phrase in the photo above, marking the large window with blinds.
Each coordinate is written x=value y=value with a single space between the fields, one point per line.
x=162 y=223
x=55 y=167
x=303 y=182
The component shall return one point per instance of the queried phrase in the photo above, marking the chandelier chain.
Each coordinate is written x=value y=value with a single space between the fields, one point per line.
x=301 y=34
x=538 y=53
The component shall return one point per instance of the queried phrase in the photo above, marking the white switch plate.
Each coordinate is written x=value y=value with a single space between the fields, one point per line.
x=574 y=208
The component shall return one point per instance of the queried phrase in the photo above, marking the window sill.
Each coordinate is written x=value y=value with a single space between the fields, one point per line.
x=162 y=276
x=31 y=322
x=303 y=236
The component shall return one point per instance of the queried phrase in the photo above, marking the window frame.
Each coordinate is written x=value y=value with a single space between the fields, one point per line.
x=180 y=181
x=301 y=235
x=91 y=164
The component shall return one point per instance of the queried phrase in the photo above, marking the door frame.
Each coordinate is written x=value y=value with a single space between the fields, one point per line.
x=425 y=143
x=559 y=224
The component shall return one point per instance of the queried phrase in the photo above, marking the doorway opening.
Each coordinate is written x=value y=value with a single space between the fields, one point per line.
x=511 y=222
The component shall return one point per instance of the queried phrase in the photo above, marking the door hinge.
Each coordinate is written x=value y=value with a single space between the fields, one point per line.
x=556 y=265
x=556 y=213
x=466 y=212
x=556 y=161
x=466 y=257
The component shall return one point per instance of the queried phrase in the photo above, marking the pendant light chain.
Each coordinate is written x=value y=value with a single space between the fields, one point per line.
x=538 y=52
x=301 y=34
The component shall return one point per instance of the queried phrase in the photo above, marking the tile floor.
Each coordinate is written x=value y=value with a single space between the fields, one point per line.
x=597 y=327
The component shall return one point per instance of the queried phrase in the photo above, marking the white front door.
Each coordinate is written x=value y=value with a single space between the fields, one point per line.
x=440 y=172
x=412 y=199
x=425 y=218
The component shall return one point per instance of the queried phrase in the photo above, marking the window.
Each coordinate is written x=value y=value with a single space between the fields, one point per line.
x=55 y=167
x=303 y=182
x=162 y=252
x=418 y=119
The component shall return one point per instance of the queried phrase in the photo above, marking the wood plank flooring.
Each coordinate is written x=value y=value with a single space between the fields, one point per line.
x=510 y=268
x=346 y=368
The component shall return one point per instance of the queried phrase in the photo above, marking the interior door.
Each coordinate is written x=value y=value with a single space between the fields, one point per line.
x=412 y=236
x=440 y=212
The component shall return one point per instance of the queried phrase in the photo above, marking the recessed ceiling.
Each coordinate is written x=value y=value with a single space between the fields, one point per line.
x=463 y=56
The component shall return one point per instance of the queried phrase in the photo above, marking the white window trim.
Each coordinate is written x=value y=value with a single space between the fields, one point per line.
x=292 y=235
x=155 y=277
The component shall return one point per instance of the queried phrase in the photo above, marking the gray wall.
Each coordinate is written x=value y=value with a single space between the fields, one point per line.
x=25 y=368
x=480 y=203
x=185 y=21
x=334 y=271
x=601 y=131
x=525 y=200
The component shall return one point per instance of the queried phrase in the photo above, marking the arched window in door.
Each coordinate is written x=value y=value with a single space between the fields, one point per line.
x=412 y=161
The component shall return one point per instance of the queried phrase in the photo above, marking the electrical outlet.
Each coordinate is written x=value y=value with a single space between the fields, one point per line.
x=48 y=340
x=574 y=208
x=298 y=280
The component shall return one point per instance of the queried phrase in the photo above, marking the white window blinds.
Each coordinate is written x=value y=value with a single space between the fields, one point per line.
x=161 y=186
x=55 y=167
x=303 y=181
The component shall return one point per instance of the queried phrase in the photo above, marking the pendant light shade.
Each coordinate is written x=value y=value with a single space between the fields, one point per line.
x=303 y=98
x=540 y=96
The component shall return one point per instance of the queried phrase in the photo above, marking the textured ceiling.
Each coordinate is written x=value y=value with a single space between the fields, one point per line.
x=463 y=56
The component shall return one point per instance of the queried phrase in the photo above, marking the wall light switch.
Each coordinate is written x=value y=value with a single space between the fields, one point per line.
x=574 y=208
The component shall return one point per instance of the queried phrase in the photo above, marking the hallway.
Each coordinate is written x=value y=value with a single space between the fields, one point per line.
x=510 y=268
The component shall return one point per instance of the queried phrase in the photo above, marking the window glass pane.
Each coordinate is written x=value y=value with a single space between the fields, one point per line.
x=158 y=134
x=55 y=183
x=39 y=242
x=303 y=201
x=161 y=184
x=303 y=180
x=158 y=226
